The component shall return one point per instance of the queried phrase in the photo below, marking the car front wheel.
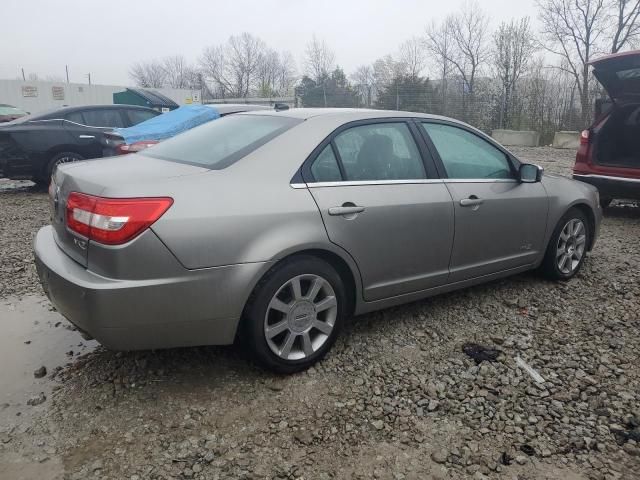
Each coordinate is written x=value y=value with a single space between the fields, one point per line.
x=568 y=246
x=295 y=314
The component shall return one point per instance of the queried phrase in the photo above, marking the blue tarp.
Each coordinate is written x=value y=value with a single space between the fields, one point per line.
x=169 y=124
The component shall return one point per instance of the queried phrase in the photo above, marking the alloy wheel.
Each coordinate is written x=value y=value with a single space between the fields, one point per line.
x=571 y=246
x=300 y=317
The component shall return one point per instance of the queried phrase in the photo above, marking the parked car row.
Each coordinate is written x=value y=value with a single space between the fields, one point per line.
x=33 y=145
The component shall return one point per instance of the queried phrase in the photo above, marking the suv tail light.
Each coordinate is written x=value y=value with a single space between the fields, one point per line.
x=584 y=137
x=124 y=148
x=113 y=221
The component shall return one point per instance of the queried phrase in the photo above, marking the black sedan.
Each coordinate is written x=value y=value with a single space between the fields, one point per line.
x=32 y=146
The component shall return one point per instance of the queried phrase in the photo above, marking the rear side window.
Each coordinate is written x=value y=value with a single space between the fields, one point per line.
x=221 y=142
x=138 y=116
x=75 y=117
x=103 y=118
x=325 y=167
x=467 y=156
x=380 y=151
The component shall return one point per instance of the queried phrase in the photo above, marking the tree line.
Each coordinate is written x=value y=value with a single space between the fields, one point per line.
x=508 y=76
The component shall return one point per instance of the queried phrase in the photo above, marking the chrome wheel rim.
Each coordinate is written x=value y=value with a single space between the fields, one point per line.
x=571 y=245
x=63 y=160
x=300 y=317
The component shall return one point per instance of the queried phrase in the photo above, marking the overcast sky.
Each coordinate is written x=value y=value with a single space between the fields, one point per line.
x=105 y=38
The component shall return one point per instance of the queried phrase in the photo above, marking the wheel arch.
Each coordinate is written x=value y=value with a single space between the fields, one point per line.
x=341 y=261
x=591 y=218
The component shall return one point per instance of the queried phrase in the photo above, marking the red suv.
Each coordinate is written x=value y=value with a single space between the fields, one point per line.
x=609 y=152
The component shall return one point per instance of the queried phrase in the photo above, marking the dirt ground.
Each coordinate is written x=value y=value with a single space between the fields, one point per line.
x=395 y=399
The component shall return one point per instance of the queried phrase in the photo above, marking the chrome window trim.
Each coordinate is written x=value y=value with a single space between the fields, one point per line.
x=607 y=177
x=357 y=183
x=480 y=180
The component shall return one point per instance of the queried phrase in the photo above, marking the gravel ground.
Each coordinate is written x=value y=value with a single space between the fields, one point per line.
x=396 y=398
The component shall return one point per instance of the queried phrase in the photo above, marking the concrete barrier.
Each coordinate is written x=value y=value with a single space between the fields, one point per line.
x=566 y=139
x=520 y=138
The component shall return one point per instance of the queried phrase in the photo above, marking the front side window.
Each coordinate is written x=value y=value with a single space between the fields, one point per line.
x=103 y=118
x=219 y=143
x=380 y=151
x=466 y=155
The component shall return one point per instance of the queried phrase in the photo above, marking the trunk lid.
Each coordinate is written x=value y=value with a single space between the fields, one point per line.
x=128 y=173
x=619 y=74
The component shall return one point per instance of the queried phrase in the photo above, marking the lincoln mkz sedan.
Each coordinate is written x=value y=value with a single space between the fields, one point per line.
x=273 y=227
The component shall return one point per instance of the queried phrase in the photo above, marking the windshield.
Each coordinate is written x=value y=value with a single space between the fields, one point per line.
x=221 y=142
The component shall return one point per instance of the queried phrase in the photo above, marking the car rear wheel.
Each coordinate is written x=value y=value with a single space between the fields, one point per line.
x=295 y=314
x=568 y=246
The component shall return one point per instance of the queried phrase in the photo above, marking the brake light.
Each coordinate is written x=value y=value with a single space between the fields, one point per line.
x=124 y=148
x=113 y=221
x=584 y=137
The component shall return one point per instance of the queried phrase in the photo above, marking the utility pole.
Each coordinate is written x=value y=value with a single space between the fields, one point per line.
x=89 y=77
x=24 y=79
x=66 y=67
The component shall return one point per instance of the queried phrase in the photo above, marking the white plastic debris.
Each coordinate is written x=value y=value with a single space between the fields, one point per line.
x=530 y=370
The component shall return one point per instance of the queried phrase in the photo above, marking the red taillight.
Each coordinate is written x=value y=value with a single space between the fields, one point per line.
x=584 y=137
x=124 y=148
x=113 y=221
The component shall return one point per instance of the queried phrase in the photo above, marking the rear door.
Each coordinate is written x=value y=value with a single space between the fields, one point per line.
x=381 y=202
x=86 y=128
x=499 y=222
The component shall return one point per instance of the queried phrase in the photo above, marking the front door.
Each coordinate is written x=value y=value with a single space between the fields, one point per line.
x=371 y=187
x=500 y=223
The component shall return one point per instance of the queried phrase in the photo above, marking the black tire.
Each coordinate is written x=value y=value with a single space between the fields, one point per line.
x=550 y=267
x=63 y=157
x=605 y=202
x=254 y=323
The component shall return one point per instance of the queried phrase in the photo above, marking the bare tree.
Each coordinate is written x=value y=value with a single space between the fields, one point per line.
x=626 y=24
x=233 y=67
x=412 y=55
x=319 y=60
x=573 y=30
x=513 y=47
x=364 y=81
x=148 y=74
x=178 y=74
x=469 y=32
x=439 y=43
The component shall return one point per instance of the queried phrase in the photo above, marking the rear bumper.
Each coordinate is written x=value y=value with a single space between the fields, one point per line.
x=612 y=187
x=199 y=307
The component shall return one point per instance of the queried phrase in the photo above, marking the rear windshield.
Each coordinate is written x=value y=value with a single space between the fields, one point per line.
x=221 y=142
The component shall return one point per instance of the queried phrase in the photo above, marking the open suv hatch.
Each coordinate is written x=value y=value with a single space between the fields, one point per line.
x=609 y=152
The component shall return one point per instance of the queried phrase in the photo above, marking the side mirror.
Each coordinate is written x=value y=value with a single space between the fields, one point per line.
x=530 y=173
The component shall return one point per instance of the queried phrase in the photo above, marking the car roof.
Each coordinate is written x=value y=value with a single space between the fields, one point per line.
x=348 y=114
x=65 y=110
x=224 y=108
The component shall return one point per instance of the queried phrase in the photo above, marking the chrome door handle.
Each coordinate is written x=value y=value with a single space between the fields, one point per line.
x=345 y=210
x=87 y=136
x=471 y=201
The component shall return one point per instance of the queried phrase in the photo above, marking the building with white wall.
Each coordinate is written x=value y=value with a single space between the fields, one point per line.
x=40 y=95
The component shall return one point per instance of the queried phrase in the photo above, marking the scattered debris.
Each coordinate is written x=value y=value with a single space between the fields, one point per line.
x=40 y=372
x=530 y=370
x=37 y=399
x=480 y=353
x=528 y=449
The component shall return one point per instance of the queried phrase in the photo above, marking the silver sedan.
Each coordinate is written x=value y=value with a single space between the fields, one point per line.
x=274 y=227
